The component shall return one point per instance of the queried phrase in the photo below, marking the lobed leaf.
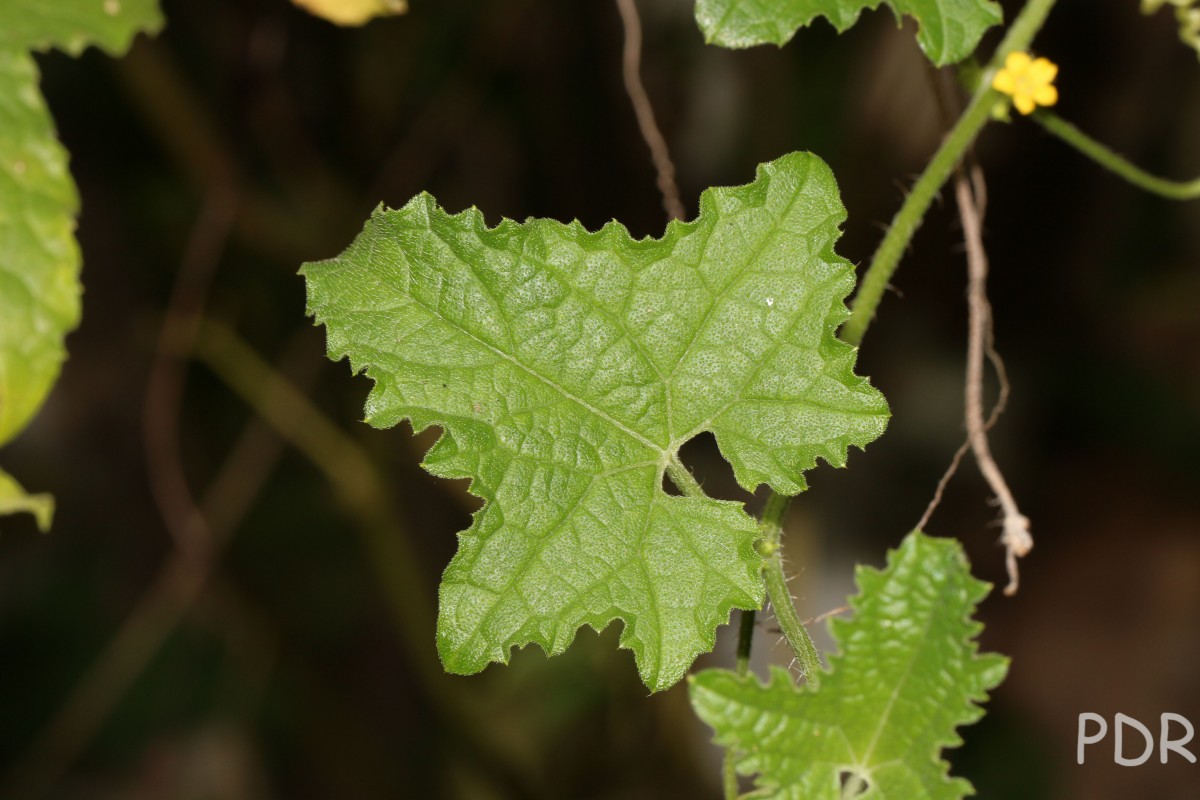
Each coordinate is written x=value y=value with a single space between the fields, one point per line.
x=949 y=29
x=568 y=368
x=907 y=675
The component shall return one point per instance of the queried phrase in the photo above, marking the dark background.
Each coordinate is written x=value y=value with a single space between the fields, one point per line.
x=293 y=657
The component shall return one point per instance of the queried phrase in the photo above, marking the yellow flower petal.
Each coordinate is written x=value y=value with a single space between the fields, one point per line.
x=1028 y=81
x=1017 y=62
x=1043 y=70
x=1045 y=95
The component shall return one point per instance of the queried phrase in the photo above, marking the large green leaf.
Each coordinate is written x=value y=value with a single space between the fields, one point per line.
x=949 y=29
x=568 y=368
x=39 y=259
x=906 y=677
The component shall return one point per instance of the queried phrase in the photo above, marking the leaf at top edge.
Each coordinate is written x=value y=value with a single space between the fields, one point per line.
x=568 y=367
x=15 y=500
x=949 y=29
x=72 y=25
x=907 y=675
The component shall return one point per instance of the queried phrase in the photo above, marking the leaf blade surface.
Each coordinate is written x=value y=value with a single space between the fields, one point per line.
x=567 y=368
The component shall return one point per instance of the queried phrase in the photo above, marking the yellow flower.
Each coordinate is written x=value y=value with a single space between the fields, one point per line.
x=1029 y=81
x=352 y=12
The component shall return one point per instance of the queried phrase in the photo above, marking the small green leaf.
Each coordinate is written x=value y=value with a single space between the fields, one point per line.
x=569 y=367
x=14 y=500
x=949 y=29
x=907 y=675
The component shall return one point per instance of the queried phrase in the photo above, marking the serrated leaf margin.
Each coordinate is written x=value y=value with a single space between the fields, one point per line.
x=779 y=24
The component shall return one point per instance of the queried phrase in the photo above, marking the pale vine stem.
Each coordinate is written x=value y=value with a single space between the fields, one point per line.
x=945 y=91
x=1016 y=538
x=997 y=409
x=771 y=526
x=631 y=68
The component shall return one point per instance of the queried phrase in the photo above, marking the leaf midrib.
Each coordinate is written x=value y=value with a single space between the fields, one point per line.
x=885 y=717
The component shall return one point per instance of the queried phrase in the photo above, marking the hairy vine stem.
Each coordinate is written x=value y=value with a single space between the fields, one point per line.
x=777 y=590
x=912 y=212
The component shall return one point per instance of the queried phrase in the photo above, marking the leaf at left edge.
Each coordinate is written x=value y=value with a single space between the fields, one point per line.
x=567 y=367
x=39 y=257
